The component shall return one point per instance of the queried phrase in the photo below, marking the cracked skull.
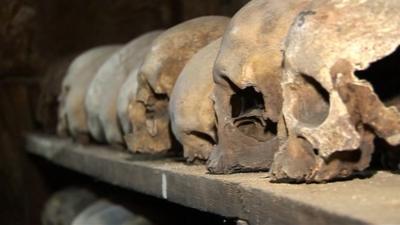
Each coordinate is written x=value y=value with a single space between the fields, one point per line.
x=247 y=93
x=162 y=65
x=102 y=95
x=72 y=114
x=341 y=71
x=191 y=107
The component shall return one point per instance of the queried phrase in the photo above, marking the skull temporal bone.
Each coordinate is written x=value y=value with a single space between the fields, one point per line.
x=157 y=76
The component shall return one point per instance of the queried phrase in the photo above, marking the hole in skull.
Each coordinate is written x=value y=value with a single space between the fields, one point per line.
x=385 y=156
x=156 y=108
x=384 y=77
x=155 y=103
x=247 y=113
x=352 y=156
x=204 y=137
x=245 y=101
x=312 y=101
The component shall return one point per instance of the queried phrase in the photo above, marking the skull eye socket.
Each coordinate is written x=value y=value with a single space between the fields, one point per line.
x=312 y=101
x=384 y=76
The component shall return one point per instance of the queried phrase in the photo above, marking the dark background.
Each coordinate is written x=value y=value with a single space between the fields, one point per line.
x=33 y=35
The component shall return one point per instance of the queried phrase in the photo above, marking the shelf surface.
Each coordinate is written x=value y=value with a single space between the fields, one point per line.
x=248 y=196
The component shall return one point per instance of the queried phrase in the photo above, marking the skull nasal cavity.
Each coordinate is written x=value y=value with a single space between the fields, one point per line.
x=247 y=113
x=384 y=75
x=246 y=100
x=312 y=101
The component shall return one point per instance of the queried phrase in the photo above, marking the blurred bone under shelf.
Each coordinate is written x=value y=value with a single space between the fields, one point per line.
x=248 y=196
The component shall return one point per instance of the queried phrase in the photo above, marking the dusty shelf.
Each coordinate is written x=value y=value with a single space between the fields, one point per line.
x=248 y=196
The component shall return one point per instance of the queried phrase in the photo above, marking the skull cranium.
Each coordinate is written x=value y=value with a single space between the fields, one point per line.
x=50 y=89
x=157 y=76
x=72 y=114
x=128 y=90
x=247 y=77
x=191 y=107
x=102 y=95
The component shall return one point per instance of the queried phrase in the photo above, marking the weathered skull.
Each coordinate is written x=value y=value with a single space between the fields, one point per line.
x=50 y=88
x=162 y=65
x=191 y=107
x=247 y=77
x=128 y=90
x=102 y=95
x=72 y=114
x=331 y=114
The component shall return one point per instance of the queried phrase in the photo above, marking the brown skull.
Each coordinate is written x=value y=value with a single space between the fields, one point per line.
x=72 y=114
x=157 y=76
x=247 y=76
x=331 y=112
x=191 y=107
x=102 y=95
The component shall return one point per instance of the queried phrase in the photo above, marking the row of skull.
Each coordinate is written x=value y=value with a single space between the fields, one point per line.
x=277 y=87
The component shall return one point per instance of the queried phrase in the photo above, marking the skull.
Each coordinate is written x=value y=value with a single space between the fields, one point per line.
x=191 y=107
x=128 y=90
x=331 y=112
x=70 y=201
x=102 y=95
x=72 y=114
x=50 y=88
x=161 y=67
x=247 y=93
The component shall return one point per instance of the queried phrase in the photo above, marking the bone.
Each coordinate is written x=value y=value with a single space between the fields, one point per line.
x=128 y=90
x=71 y=201
x=102 y=95
x=332 y=115
x=72 y=114
x=191 y=107
x=46 y=111
x=162 y=65
x=247 y=94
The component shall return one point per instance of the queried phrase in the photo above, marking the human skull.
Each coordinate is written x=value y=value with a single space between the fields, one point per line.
x=191 y=107
x=331 y=115
x=72 y=114
x=247 y=94
x=102 y=95
x=128 y=90
x=50 y=89
x=157 y=76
